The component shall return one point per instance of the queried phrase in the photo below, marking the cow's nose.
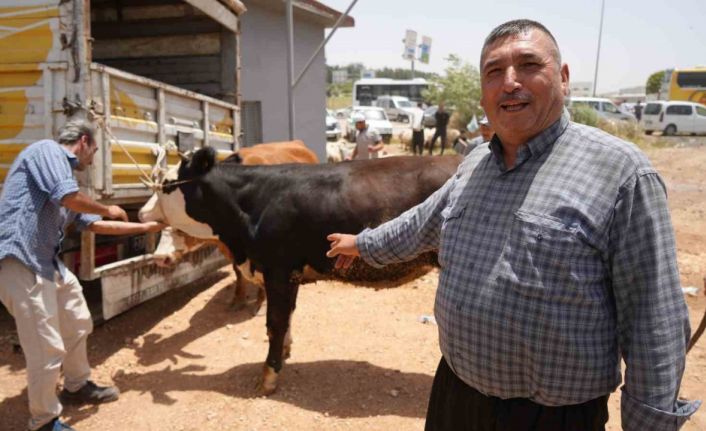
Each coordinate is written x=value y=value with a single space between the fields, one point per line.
x=164 y=261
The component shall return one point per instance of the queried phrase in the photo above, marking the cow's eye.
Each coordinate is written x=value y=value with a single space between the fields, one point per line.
x=168 y=186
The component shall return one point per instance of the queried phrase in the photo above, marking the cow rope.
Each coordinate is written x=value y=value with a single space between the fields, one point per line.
x=700 y=329
x=153 y=181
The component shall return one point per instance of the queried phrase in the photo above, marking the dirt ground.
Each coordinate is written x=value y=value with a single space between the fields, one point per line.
x=361 y=360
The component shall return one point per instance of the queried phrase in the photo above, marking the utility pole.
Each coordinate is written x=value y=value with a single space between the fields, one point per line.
x=598 y=53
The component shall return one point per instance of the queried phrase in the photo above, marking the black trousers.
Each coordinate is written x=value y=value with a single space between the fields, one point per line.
x=440 y=133
x=455 y=406
x=417 y=142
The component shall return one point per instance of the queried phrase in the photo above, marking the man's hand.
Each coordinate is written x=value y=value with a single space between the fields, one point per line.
x=116 y=213
x=343 y=246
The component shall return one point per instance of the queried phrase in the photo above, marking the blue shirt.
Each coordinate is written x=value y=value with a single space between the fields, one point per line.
x=31 y=214
x=552 y=270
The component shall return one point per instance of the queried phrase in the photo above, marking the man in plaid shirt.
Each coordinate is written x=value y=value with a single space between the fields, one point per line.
x=557 y=260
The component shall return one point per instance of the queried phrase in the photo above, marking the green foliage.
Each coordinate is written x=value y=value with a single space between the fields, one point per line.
x=459 y=89
x=402 y=74
x=338 y=90
x=654 y=82
x=584 y=115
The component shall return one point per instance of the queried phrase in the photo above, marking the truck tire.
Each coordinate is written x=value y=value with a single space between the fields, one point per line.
x=670 y=130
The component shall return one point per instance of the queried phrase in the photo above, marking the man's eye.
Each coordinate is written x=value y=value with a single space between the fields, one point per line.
x=492 y=72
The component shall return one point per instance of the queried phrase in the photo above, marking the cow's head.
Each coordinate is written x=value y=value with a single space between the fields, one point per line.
x=168 y=205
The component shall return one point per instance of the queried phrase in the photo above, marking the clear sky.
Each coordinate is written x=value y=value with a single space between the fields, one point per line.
x=639 y=36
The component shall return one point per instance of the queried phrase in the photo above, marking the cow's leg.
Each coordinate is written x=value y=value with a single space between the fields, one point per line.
x=281 y=296
x=240 y=296
x=287 y=349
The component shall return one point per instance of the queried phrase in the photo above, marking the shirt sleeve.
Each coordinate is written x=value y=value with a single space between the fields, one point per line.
x=415 y=231
x=653 y=320
x=82 y=221
x=52 y=173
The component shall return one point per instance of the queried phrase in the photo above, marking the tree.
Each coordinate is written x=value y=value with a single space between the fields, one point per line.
x=459 y=89
x=654 y=82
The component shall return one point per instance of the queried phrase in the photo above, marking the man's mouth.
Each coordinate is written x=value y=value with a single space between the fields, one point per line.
x=514 y=106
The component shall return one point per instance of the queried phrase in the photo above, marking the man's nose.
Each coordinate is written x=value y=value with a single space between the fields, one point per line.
x=510 y=83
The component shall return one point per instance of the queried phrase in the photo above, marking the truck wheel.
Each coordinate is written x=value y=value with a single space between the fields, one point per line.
x=648 y=132
x=670 y=130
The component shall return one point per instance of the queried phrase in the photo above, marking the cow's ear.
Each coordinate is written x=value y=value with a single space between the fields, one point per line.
x=203 y=161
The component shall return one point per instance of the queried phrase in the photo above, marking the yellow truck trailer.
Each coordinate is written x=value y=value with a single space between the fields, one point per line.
x=149 y=74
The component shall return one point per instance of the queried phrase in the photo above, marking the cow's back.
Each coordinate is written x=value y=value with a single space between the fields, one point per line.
x=276 y=153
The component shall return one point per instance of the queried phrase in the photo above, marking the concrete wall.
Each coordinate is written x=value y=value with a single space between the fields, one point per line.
x=264 y=76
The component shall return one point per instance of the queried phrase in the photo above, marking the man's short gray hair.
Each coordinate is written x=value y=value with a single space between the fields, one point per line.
x=516 y=27
x=74 y=130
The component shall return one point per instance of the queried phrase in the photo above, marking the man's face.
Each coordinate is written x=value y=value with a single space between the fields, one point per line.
x=522 y=85
x=360 y=125
x=86 y=150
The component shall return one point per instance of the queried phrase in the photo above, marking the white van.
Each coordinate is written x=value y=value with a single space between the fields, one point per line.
x=674 y=117
x=397 y=108
x=605 y=108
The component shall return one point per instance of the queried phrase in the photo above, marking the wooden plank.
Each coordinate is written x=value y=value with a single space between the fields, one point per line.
x=154 y=27
x=107 y=142
x=218 y=12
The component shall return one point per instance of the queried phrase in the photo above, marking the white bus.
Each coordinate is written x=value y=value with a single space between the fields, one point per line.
x=366 y=91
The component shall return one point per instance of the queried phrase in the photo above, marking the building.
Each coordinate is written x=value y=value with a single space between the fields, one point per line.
x=581 y=89
x=263 y=83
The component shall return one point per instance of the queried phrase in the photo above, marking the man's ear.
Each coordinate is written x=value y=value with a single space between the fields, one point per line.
x=565 y=79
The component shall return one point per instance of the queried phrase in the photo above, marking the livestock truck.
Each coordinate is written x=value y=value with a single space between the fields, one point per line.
x=148 y=74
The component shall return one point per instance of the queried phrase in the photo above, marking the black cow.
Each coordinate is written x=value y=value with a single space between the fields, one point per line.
x=275 y=219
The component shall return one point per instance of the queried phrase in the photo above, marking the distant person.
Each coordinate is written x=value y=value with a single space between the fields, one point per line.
x=368 y=142
x=638 y=111
x=464 y=145
x=40 y=197
x=418 y=131
x=442 y=121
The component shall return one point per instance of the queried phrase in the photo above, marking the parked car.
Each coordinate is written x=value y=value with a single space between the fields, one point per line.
x=604 y=107
x=333 y=129
x=397 y=108
x=376 y=119
x=343 y=112
x=674 y=117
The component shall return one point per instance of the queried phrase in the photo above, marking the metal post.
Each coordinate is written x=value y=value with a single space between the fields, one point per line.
x=598 y=53
x=290 y=65
x=412 y=67
x=321 y=46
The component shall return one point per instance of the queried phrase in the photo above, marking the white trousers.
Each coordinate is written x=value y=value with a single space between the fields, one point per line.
x=53 y=322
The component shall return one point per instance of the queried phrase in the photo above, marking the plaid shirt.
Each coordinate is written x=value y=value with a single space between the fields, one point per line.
x=33 y=219
x=552 y=270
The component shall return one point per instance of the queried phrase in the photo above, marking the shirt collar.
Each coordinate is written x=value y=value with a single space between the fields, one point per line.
x=73 y=160
x=537 y=145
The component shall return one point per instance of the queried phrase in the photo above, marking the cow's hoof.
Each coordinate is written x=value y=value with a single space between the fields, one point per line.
x=268 y=385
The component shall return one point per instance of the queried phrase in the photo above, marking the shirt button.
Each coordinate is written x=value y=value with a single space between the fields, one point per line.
x=540 y=237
